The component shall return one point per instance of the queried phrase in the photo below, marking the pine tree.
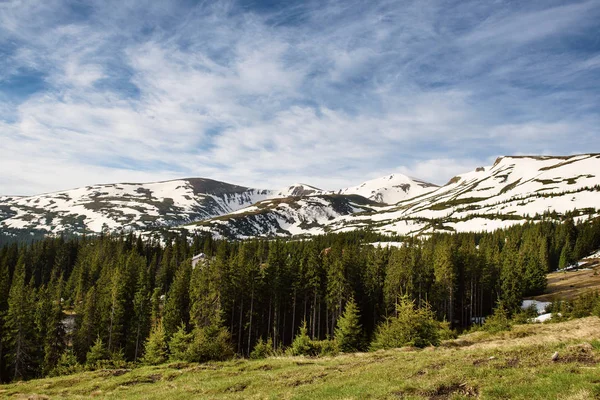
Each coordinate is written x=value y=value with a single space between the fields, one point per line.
x=156 y=346
x=87 y=325
x=55 y=339
x=98 y=354
x=19 y=325
x=348 y=332
x=177 y=305
x=142 y=313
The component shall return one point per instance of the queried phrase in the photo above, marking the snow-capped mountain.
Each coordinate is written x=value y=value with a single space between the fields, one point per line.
x=512 y=191
x=390 y=189
x=287 y=216
x=126 y=206
x=298 y=190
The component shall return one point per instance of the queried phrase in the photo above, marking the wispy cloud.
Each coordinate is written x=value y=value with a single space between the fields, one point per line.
x=329 y=93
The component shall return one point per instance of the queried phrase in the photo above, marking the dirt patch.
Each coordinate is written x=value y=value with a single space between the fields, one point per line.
x=447 y=391
x=581 y=353
x=112 y=372
x=180 y=365
x=307 y=381
x=238 y=387
x=144 y=379
x=442 y=392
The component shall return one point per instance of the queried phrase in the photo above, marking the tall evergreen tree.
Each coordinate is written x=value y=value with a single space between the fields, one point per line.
x=19 y=325
x=348 y=332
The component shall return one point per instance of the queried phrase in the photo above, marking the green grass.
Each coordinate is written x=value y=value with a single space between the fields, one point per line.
x=515 y=364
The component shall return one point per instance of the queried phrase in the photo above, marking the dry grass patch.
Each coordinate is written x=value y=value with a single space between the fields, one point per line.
x=570 y=284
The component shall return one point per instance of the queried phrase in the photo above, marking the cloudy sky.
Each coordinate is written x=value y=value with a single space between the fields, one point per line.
x=268 y=93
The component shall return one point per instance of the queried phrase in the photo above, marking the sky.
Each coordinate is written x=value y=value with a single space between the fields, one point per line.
x=270 y=93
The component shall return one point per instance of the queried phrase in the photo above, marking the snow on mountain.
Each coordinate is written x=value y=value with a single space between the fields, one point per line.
x=298 y=190
x=126 y=205
x=390 y=189
x=512 y=191
x=285 y=217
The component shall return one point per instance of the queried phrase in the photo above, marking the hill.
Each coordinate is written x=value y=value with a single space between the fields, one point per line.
x=515 y=364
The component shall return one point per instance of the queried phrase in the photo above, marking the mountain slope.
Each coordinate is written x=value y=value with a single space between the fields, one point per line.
x=390 y=189
x=126 y=205
x=285 y=216
x=512 y=191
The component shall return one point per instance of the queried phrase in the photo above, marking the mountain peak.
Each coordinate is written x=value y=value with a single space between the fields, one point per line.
x=299 y=190
x=391 y=189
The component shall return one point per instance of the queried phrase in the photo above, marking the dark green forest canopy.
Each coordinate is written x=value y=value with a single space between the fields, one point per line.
x=82 y=298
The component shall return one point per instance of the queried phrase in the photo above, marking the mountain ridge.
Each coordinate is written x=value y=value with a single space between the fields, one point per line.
x=514 y=190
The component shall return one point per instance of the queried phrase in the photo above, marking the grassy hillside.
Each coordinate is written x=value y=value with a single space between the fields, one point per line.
x=568 y=285
x=516 y=364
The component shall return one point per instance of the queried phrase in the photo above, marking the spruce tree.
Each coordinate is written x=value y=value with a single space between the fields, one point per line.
x=55 y=339
x=179 y=344
x=348 y=332
x=155 y=351
x=19 y=325
x=98 y=354
x=177 y=304
x=86 y=325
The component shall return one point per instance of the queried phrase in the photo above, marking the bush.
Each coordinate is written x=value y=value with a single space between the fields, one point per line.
x=67 y=364
x=98 y=356
x=325 y=348
x=211 y=343
x=497 y=322
x=445 y=332
x=585 y=304
x=302 y=344
x=262 y=349
x=411 y=327
x=525 y=316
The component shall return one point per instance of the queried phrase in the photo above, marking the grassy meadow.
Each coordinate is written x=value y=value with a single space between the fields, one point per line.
x=516 y=364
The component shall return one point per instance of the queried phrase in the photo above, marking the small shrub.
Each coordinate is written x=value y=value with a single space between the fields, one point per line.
x=211 y=343
x=411 y=327
x=302 y=344
x=262 y=349
x=445 y=332
x=98 y=356
x=525 y=316
x=67 y=364
x=497 y=322
x=326 y=347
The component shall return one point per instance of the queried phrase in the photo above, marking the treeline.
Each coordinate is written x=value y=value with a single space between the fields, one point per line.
x=73 y=299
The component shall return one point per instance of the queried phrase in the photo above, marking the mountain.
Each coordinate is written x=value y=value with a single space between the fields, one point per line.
x=126 y=206
x=514 y=190
x=390 y=189
x=288 y=216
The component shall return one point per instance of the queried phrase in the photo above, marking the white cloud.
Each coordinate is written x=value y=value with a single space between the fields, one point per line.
x=324 y=93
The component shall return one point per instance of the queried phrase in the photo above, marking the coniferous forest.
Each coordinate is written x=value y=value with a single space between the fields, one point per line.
x=112 y=300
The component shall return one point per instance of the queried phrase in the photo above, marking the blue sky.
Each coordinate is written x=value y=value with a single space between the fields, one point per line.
x=268 y=93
